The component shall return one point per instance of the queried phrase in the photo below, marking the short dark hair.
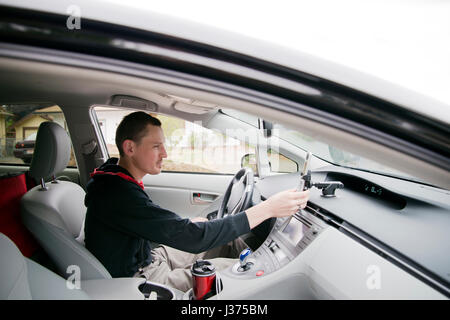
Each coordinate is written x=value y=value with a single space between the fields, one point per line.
x=133 y=127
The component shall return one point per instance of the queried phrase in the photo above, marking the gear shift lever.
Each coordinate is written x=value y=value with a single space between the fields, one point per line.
x=243 y=260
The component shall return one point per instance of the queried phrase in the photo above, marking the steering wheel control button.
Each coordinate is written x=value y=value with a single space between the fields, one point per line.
x=259 y=273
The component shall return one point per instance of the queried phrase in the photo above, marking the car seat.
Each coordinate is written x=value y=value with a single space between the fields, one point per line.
x=54 y=212
x=24 y=279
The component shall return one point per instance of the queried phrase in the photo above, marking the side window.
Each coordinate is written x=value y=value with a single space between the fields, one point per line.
x=19 y=124
x=189 y=146
x=108 y=119
x=193 y=148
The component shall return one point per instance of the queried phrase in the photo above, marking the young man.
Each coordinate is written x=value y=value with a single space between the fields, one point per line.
x=123 y=226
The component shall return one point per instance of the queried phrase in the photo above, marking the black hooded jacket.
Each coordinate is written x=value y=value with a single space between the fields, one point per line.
x=122 y=223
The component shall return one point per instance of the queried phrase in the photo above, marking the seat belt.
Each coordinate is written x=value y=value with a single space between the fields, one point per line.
x=91 y=162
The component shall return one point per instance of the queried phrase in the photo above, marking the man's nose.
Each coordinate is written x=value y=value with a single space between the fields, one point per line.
x=164 y=153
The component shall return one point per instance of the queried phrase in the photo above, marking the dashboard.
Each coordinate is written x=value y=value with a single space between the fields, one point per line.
x=386 y=216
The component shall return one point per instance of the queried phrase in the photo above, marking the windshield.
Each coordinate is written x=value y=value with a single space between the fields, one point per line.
x=332 y=154
x=320 y=149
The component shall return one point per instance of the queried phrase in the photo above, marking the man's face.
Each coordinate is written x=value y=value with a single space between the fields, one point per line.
x=149 y=152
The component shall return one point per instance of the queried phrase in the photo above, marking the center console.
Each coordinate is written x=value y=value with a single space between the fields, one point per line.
x=288 y=238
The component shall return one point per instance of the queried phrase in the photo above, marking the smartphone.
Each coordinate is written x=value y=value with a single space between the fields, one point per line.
x=301 y=185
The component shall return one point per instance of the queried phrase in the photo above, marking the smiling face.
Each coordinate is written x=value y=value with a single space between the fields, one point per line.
x=145 y=155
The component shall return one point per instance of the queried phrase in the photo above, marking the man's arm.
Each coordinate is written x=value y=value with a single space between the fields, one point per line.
x=147 y=220
x=282 y=204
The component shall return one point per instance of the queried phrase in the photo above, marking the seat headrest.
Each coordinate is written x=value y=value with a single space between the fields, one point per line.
x=52 y=151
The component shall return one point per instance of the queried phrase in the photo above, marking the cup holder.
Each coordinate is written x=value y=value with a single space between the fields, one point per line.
x=162 y=292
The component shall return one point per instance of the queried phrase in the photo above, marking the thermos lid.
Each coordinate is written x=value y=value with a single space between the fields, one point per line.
x=203 y=268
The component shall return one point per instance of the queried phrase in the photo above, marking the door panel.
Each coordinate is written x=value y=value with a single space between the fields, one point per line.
x=178 y=191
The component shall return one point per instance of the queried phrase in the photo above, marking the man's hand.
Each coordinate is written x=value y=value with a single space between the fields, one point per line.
x=283 y=204
x=199 y=219
x=286 y=203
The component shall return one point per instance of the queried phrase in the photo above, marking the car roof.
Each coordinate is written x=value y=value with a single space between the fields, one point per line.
x=173 y=26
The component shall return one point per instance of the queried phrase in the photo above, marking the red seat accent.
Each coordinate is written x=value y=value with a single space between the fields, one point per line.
x=12 y=188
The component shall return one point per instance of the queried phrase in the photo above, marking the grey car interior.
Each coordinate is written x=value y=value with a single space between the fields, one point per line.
x=313 y=275
x=24 y=279
x=398 y=232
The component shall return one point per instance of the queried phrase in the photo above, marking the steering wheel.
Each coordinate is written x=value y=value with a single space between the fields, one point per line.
x=239 y=193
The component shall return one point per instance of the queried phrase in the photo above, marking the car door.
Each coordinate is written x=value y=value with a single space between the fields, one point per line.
x=189 y=194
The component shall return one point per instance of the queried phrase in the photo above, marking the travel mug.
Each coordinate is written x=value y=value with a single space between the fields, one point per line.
x=203 y=279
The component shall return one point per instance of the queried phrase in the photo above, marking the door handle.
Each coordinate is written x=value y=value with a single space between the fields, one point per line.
x=200 y=198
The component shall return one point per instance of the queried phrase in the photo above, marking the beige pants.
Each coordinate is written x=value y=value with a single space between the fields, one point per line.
x=172 y=267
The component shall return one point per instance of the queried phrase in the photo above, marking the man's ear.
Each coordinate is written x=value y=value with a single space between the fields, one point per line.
x=128 y=147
